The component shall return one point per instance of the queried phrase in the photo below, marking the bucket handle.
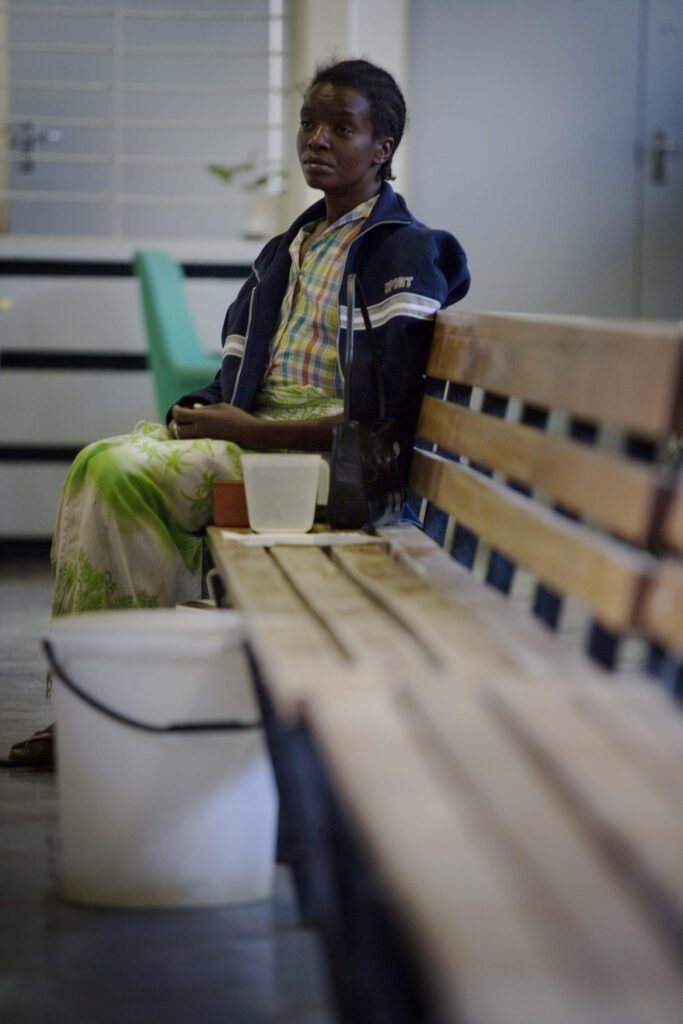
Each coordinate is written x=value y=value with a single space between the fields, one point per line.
x=228 y=725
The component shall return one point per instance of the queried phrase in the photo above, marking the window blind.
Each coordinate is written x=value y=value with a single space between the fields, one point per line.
x=115 y=110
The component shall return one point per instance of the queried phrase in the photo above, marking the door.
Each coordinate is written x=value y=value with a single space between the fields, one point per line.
x=529 y=131
x=661 y=270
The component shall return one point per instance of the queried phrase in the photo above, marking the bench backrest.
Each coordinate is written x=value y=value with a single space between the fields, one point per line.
x=551 y=441
x=661 y=613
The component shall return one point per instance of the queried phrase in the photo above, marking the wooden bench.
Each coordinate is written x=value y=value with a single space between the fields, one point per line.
x=488 y=825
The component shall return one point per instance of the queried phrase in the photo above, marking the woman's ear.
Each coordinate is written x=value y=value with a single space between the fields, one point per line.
x=384 y=149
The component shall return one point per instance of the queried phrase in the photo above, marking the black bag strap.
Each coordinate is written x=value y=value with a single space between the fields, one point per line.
x=229 y=725
x=352 y=285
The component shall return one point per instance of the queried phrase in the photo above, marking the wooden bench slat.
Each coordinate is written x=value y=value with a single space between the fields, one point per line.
x=296 y=653
x=424 y=612
x=482 y=927
x=625 y=374
x=360 y=626
x=482 y=638
x=481 y=635
x=432 y=564
x=580 y=885
x=620 y=495
x=253 y=579
x=642 y=720
x=661 y=613
x=463 y=621
x=404 y=814
x=672 y=532
x=640 y=832
x=598 y=570
x=477 y=641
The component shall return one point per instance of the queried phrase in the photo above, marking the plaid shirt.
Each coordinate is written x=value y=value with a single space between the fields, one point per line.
x=304 y=346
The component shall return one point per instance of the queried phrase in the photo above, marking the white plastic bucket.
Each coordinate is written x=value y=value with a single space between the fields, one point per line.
x=184 y=819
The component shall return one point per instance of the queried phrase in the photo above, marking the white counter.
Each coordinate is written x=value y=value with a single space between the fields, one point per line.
x=35 y=247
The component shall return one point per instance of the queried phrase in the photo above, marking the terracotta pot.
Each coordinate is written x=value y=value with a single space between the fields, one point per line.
x=229 y=503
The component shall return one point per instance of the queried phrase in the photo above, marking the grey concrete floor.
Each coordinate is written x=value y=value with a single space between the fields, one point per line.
x=251 y=963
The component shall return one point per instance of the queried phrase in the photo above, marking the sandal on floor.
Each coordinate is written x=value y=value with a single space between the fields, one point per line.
x=36 y=751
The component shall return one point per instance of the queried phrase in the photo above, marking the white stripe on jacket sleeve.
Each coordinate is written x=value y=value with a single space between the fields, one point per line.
x=234 y=345
x=418 y=307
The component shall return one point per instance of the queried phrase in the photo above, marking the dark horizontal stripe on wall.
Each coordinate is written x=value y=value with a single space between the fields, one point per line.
x=64 y=268
x=41 y=359
x=25 y=547
x=39 y=452
x=109 y=268
x=236 y=270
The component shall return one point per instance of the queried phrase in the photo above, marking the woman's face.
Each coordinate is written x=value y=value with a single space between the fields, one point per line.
x=335 y=144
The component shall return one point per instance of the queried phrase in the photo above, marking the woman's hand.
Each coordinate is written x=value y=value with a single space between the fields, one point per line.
x=225 y=422
x=220 y=421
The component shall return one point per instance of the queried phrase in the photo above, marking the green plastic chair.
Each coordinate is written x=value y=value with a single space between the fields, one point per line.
x=176 y=358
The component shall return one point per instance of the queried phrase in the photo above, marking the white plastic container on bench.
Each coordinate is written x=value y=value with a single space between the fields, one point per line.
x=185 y=818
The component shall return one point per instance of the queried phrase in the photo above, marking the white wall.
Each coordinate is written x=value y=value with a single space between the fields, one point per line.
x=522 y=144
x=4 y=109
x=322 y=30
x=527 y=121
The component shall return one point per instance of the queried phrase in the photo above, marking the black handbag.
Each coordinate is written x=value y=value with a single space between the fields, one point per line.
x=365 y=481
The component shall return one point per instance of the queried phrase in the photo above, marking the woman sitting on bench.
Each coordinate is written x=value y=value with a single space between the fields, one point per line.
x=126 y=532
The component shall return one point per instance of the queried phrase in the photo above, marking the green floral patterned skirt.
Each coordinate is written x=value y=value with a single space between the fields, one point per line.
x=131 y=507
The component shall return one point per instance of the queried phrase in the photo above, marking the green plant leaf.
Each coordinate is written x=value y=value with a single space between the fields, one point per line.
x=229 y=173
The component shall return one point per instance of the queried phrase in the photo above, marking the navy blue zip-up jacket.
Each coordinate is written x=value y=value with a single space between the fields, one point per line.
x=407 y=272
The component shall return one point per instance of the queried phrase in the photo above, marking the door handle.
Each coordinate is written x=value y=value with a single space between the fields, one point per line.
x=27 y=137
x=661 y=148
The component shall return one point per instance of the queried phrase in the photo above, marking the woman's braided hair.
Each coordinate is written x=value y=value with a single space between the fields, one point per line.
x=387 y=105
